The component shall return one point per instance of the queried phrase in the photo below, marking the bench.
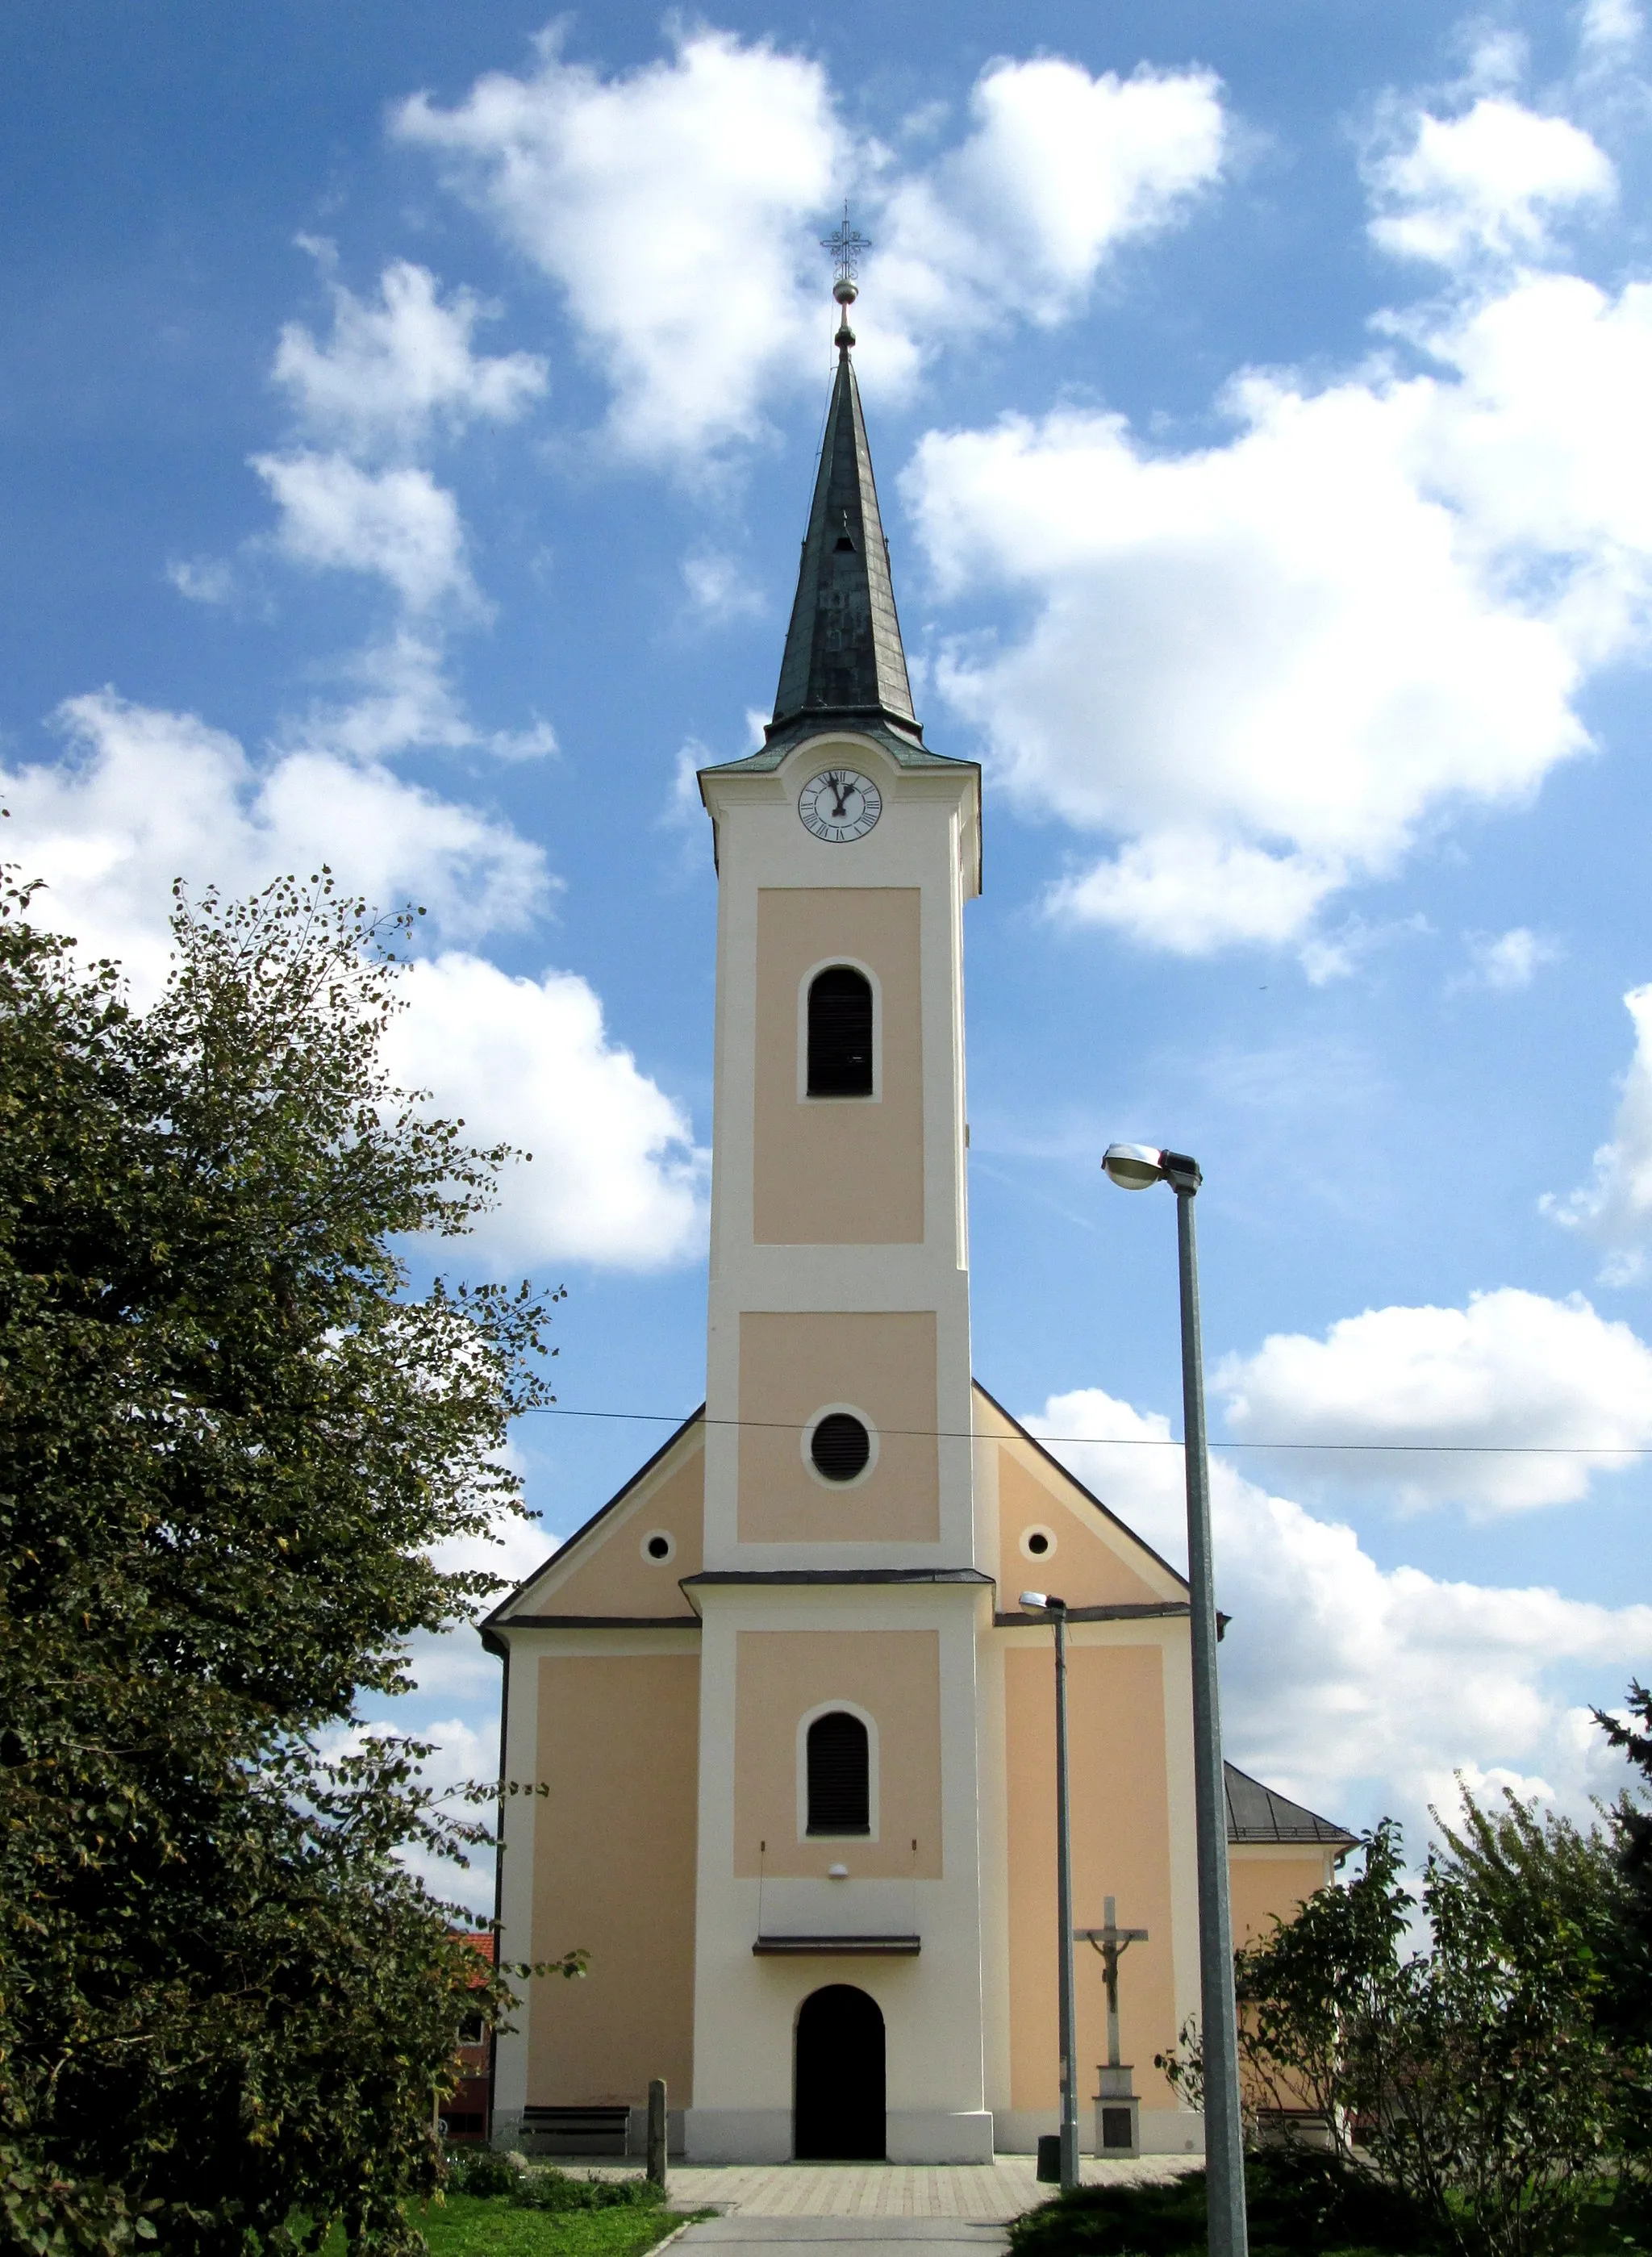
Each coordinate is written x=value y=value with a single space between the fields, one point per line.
x=576 y=2131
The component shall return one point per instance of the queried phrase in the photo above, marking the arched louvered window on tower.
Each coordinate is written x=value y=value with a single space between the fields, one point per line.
x=840 y=1033
x=839 y=1757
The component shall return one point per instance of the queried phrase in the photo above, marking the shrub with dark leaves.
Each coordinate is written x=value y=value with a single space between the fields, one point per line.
x=481 y=2171
x=559 y=2190
x=1302 y=2202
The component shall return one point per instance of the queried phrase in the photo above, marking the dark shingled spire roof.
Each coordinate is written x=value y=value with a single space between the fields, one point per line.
x=843 y=656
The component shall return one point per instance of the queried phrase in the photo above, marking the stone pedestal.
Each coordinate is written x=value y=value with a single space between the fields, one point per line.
x=1117 y=2112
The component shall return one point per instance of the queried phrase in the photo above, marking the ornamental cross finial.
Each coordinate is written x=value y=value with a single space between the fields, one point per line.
x=845 y=243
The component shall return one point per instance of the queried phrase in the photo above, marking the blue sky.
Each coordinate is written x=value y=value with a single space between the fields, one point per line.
x=407 y=417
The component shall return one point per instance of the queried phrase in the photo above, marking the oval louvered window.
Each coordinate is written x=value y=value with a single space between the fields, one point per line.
x=839 y=1033
x=839 y=1446
x=839 y=1775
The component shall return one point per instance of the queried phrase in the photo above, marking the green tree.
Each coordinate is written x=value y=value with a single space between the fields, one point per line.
x=1503 y=2110
x=231 y=1433
x=1631 y=1828
x=1460 y=2035
x=1317 y=1996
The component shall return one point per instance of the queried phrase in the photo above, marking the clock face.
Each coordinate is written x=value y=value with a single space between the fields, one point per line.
x=839 y=804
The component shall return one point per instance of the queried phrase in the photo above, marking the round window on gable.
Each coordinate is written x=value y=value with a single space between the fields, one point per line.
x=1037 y=1542
x=840 y=1448
x=658 y=1546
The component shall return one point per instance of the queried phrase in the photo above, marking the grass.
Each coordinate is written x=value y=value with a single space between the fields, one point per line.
x=625 y=2224
x=491 y=2226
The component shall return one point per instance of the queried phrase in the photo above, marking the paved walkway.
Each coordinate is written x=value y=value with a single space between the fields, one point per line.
x=988 y=2193
x=745 y=2236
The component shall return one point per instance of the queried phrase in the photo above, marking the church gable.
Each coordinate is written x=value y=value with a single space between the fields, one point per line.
x=625 y=1564
x=1053 y=1533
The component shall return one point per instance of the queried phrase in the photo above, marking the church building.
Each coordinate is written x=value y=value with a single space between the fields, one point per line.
x=789 y=1732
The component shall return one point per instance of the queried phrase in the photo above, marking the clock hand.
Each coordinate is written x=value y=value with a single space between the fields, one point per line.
x=840 y=793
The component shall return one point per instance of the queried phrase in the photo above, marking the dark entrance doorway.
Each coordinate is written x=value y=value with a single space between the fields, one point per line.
x=840 y=2078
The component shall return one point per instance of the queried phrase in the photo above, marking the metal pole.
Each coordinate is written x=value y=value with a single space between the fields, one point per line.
x=656 y=2166
x=1070 y=2167
x=1224 y=2136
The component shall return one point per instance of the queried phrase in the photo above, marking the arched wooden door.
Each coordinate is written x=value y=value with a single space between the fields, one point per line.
x=838 y=2111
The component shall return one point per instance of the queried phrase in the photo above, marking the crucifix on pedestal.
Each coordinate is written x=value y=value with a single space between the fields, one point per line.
x=1117 y=2105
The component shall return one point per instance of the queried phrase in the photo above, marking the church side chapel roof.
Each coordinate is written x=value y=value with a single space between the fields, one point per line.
x=1256 y=1812
x=503 y=1610
x=1071 y=1481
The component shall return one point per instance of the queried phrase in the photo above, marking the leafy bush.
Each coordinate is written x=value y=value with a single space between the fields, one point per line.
x=1301 y=2204
x=482 y=2170
x=558 y=2191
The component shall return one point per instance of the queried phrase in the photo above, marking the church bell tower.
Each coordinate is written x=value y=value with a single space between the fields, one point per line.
x=844 y=1585
x=777 y=1738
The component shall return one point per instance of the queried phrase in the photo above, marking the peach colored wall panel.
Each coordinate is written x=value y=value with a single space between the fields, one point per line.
x=791 y=1366
x=1121 y=1849
x=1086 y=1566
x=1267 y=1888
x=838 y=1171
x=617 y=1577
x=614 y=1872
x=895 y=1675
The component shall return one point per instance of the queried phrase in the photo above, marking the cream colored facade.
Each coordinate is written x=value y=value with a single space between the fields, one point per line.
x=665 y=1666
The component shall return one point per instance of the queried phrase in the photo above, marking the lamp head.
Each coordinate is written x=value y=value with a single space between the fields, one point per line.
x=1045 y=1602
x=1133 y=1167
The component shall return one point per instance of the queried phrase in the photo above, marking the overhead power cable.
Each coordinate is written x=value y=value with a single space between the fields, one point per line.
x=1137 y=1441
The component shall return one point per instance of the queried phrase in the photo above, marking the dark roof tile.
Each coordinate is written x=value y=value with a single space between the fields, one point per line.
x=1256 y=1812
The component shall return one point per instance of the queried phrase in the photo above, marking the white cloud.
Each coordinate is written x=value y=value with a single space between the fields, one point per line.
x=718 y=590
x=148 y=796
x=403 y=700
x=1484 y=184
x=1340 y=953
x=391 y=370
x=1498 y=61
x=1512 y=1368
x=1607 y=29
x=615 y=1176
x=1356 y=1688
x=1269 y=667
x=1508 y=961
x=398 y=523
x=673 y=205
x=686 y=809
x=1189 y=889
x=1058 y=168
x=1616 y=1206
x=203 y=579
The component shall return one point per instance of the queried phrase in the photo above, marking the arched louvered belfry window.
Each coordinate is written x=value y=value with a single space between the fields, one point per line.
x=839 y=1033
x=839 y=1756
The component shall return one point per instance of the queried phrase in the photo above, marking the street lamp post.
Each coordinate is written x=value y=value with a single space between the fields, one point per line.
x=1056 y=1610
x=1133 y=1167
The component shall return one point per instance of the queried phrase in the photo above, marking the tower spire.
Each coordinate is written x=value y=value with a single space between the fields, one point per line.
x=843 y=655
